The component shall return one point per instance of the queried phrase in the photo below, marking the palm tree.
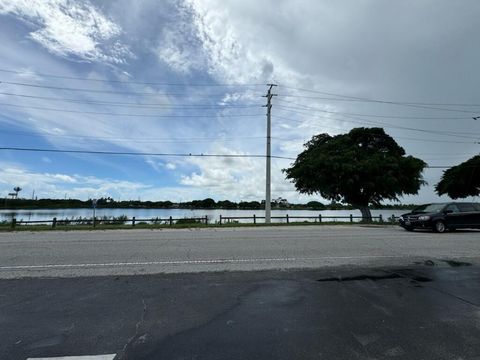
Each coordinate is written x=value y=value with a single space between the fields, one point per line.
x=17 y=189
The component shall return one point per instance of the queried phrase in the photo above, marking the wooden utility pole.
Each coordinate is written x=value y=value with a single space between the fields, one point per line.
x=268 y=194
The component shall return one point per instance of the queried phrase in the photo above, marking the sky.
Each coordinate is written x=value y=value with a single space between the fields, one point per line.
x=188 y=76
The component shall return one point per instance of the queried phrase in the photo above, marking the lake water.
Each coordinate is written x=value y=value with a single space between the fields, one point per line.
x=213 y=215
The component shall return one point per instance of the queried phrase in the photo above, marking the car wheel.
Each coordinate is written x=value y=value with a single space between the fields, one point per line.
x=439 y=226
x=408 y=228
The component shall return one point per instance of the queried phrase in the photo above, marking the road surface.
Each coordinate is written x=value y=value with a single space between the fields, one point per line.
x=343 y=292
x=429 y=312
x=129 y=252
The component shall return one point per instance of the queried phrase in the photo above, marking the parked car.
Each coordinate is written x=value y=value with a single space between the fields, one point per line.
x=442 y=217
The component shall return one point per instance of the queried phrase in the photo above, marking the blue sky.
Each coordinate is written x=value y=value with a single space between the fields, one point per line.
x=187 y=77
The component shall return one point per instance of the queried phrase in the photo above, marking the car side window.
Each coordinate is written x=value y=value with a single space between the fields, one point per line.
x=453 y=208
x=466 y=207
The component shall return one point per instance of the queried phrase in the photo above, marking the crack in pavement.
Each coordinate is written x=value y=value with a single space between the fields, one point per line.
x=134 y=339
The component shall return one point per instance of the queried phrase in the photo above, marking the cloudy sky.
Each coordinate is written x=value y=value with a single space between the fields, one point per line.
x=188 y=76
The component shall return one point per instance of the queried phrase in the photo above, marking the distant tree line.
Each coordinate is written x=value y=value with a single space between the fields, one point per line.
x=195 y=204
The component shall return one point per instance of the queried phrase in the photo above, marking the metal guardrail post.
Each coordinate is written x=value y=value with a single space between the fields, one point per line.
x=320 y=218
x=351 y=218
x=54 y=222
x=220 y=223
x=133 y=221
x=14 y=223
x=254 y=219
x=380 y=218
x=286 y=216
x=170 y=221
x=206 y=219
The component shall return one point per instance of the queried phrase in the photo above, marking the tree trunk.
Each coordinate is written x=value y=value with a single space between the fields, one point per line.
x=366 y=214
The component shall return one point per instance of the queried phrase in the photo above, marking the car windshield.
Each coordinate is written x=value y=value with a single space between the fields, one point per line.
x=428 y=208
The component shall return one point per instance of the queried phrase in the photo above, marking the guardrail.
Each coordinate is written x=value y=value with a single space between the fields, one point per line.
x=223 y=220
x=320 y=218
x=111 y=221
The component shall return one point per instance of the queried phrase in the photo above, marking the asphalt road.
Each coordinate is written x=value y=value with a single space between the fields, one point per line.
x=429 y=311
x=129 y=252
x=342 y=292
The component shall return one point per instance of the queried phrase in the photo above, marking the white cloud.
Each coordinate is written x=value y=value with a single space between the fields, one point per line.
x=67 y=27
x=175 y=50
x=238 y=178
x=55 y=185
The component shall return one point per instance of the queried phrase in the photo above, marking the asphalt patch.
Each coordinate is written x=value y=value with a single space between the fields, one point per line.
x=389 y=276
x=362 y=278
x=454 y=263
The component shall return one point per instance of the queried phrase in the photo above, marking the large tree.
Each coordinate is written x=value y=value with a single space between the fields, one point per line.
x=360 y=168
x=462 y=180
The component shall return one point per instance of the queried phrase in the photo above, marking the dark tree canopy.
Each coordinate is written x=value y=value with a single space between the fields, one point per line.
x=462 y=180
x=360 y=168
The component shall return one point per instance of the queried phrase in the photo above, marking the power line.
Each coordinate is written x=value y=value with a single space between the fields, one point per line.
x=396 y=137
x=355 y=100
x=140 y=153
x=390 y=103
x=111 y=91
x=133 y=105
x=387 y=125
x=438 y=141
x=374 y=115
x=169 y=154
x=421 y=105
x=136 y=140
x=129 y=115
x=199 y=139
x=128 y=81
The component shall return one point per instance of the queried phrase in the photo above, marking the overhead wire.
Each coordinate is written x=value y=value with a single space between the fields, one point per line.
x=128 y=81
x=129 y=115
x=152 y=106
x=126 y=153
x=375 y=115
x=111 y=91
x=133 y=139
x=421 y=105
x=387 y=125
x=141 y=153
x=132 y=104
x=396 y=137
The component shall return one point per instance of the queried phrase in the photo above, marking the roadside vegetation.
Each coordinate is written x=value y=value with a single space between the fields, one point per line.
x=187 y=224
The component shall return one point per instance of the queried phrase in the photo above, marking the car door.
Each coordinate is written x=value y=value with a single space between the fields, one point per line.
x=467 y=214
x=453 y=217
x=477 y=215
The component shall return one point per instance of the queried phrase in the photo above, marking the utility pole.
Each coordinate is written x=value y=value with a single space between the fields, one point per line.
x=268 y=194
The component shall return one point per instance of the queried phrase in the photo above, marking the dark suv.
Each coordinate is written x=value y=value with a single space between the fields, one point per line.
x=442 y=217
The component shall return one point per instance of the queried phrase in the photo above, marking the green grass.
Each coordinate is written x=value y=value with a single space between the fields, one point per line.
x=6 y=227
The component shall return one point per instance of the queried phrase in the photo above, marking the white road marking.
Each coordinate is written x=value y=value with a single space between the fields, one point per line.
x=86 y=357
x=213 y=261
